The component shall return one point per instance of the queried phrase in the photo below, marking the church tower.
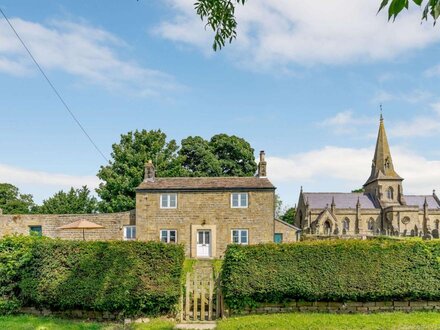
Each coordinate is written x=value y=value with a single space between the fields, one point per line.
x=384 y=183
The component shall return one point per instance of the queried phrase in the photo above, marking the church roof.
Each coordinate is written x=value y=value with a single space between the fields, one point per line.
x=419 y=200
x=342 y=200
x=207 y=183
x=382 y=167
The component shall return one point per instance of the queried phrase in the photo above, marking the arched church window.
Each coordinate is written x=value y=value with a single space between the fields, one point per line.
x=345 y=225
x=437 y=224
x=371 y=224
x=390 y=193
x=327 y=228
x=387 y=163
x=405 y=220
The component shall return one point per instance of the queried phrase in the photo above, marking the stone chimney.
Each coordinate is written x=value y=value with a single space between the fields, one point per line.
x=150 y=173
x=262 y=166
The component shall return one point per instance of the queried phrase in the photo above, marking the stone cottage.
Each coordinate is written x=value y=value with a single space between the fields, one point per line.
x=381 y=209
x=204 y=214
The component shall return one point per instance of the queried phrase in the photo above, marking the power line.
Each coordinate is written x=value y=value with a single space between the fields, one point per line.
x=54 y=89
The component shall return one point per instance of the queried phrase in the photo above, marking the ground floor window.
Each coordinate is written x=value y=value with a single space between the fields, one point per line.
x=168 y=235
x=129 y=233
x=240 y=236
x=36 y=230
x=278 y=238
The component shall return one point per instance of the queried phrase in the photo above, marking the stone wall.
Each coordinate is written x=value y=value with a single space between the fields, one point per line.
x=113 y=225
x=290 y=233
x=211 y=210
x=344 y=307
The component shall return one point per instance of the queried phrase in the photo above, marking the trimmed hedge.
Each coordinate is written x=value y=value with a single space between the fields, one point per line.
x=331 y=271
x=128 y=277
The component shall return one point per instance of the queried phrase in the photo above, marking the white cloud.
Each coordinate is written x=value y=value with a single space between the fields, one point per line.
x=43 y=184
x=338 y=169
x=81 y=50
x=274 y=33
x=345 y=122
x=413 y=96
x=419 y=126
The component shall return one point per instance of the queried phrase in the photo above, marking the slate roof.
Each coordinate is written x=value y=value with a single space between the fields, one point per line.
x=342 y=200
x=419 y=200
x=207 y=183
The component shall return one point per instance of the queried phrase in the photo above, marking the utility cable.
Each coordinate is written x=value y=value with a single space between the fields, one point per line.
x=54 y=89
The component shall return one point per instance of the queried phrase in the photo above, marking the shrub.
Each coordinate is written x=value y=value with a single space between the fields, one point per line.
x=127 y=277
x=15 y=253
x=331 y=271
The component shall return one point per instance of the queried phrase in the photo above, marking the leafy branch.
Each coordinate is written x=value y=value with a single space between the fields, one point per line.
x=220 y=17
x=432 y=8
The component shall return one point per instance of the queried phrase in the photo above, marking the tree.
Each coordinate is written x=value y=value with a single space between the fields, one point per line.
x=12 y=202
x=220 y=15
x=432 y=8
x=289 y=215
x=198 y=158
x=236 y=156
x=75 y=201
x=126 y=169
x=223 y=155
x=358 y=190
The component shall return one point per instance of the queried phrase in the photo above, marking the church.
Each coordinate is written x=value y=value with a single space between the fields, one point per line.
x=380 y=209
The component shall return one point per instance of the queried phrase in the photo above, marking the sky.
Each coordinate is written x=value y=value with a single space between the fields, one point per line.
x=303 y=81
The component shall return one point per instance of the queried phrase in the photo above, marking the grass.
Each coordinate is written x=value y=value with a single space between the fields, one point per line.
x=400 y=321
x=27 y=322
x=312 y=321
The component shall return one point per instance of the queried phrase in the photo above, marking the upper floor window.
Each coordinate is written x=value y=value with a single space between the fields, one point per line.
x=240 y=236
x=168 y=236
x=168 y=201
x=129 y=233
x=437 y=224
x=239 y=200
x=390 y=193
x=36 y=230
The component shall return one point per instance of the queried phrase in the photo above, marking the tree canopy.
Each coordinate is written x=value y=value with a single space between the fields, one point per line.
x=13 y=202
x=75 y=201
x=222 y=155
x=126 y=169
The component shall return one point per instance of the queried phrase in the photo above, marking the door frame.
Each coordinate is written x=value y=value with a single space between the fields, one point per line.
x=208 y=245
x=194 y=229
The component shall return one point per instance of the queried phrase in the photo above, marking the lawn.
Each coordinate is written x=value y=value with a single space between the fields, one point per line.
x=26 y=322
x=420 y=320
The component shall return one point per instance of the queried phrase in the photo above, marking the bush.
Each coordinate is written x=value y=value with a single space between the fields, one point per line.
x=15 y=253
x=128 y=277
x=331 y=271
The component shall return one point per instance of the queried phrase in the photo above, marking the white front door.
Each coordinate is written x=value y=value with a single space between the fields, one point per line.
x=203 y=243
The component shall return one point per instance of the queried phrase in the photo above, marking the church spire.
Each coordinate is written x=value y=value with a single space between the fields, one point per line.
x=382 y=167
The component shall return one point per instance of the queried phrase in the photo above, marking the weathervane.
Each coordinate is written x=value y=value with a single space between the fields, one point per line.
x=381 y=118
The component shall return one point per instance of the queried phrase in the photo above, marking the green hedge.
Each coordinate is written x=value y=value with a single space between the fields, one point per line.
x=331 y=271
x=128 y=277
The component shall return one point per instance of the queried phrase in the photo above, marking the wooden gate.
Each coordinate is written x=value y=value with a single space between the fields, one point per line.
x=201 y=299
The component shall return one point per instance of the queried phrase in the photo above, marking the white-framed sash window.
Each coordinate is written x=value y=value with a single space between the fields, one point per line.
x=239 y=200
x=168 y=236
x=240 y=236
x=129 y=233
x=168 y=201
